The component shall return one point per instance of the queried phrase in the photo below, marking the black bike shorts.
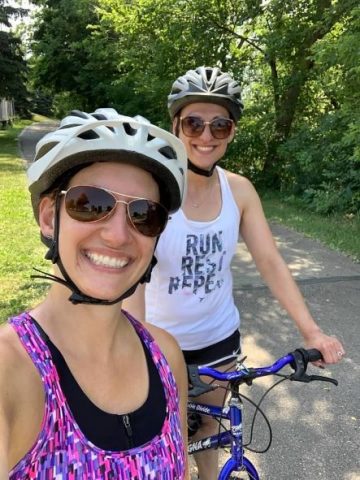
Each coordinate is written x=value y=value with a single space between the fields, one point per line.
x=215 y=355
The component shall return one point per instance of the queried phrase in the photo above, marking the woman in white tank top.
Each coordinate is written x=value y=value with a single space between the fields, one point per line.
x=190 y=293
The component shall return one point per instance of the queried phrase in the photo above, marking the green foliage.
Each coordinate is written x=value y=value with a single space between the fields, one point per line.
x=71 y=61
x=322 y=156
x=296 y=60
x=13 y=67
x=323 y=167
x=42 y=103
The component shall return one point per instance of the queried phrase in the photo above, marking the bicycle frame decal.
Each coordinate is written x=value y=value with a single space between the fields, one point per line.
x=198 y=407
x=199 y=445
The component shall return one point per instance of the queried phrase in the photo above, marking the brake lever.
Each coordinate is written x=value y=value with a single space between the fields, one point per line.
x=305 y=378
x=197 y=386
x=301 y=360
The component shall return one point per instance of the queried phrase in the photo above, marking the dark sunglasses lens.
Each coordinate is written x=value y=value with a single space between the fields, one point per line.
x=193 y=126
x=221 y=128
x=148 y=218
x=88 y=204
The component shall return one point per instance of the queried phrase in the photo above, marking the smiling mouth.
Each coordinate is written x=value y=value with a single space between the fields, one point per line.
x=204 y=149
x=106 y=261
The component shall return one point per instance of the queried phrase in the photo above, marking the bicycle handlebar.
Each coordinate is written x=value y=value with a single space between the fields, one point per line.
x=298 y=360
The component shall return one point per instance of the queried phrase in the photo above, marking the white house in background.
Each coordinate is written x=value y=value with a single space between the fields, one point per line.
x=7 y=111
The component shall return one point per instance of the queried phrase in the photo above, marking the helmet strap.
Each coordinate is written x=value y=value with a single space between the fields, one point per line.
x=201 y=171
x=191 y=166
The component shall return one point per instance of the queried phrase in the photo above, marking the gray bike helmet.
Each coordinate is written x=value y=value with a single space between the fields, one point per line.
x=105 y=135
x=206 y=84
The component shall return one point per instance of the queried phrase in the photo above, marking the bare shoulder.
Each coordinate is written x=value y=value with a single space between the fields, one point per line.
x=10 y=361
x=10 y=351
x=167 y=344
x=13 y=363
x=19 y=378
x=21 y=397
x=241 y=187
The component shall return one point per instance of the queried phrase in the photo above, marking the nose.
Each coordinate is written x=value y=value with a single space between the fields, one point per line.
x=117 y=229
x=206 y=134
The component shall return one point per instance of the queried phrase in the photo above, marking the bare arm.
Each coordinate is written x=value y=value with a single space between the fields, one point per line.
x=5 y=401
x=4 y=439
x=135 y=304
x=258 y=237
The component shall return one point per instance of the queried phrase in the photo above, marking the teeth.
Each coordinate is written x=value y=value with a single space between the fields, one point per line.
x=106 y=261
x=204 y=149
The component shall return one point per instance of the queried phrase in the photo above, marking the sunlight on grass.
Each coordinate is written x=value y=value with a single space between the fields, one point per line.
x=338 y=232
x=41 y=118
x=21 y=249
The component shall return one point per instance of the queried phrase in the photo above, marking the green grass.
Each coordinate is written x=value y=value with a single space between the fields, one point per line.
x=21 y=249
x=338 y=232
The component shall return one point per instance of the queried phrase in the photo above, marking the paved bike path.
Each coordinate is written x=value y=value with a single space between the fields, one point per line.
x=315 y=426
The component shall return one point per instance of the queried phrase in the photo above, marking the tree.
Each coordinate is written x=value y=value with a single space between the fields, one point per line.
x=13 y=68
x=71 y=61
x=264 y=43
x=296 y=60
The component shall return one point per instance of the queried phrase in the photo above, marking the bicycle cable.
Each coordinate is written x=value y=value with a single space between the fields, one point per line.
x=257 y=409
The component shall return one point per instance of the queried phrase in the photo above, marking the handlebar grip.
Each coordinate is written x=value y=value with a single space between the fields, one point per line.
x=313 y=355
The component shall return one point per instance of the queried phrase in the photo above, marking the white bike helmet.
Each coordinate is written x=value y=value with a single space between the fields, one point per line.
x=206 y=84
x=105 y=135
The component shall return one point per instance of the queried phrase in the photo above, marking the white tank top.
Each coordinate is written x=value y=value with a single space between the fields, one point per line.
x=190 y=293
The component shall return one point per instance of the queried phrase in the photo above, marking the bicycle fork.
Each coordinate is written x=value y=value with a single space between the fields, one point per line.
x=237 y=462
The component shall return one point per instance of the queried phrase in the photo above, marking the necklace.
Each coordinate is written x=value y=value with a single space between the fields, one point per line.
x=198 y=203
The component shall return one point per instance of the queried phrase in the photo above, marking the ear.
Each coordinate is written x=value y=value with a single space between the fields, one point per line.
x=175 y=125
x=47 y=216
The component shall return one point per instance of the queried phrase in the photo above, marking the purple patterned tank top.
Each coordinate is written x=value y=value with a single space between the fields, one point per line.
x=61 y=451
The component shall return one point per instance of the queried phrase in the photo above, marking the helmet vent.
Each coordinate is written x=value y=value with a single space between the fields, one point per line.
x=79 y=113
x=44 y=150
x=99 y=116
x=129 y=129
x=89 y=135
x=208 y=74
x=70 y=125
x=168 y=152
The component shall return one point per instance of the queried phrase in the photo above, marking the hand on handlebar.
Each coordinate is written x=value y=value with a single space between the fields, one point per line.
x=330 y=347
x=301 y=359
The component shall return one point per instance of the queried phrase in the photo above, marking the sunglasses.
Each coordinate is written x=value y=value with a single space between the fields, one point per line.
x=92 y=204
x=220 y=128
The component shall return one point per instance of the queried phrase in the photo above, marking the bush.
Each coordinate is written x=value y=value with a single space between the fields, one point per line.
x=323 y=166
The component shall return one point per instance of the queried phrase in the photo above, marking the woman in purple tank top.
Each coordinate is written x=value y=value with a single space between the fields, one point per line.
x=86 y=392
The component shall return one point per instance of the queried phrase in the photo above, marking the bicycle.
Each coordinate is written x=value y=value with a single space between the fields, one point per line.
x=238 y=464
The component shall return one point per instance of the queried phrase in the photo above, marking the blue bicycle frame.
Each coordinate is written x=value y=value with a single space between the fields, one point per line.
x=232 y=437
x=233 y=411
